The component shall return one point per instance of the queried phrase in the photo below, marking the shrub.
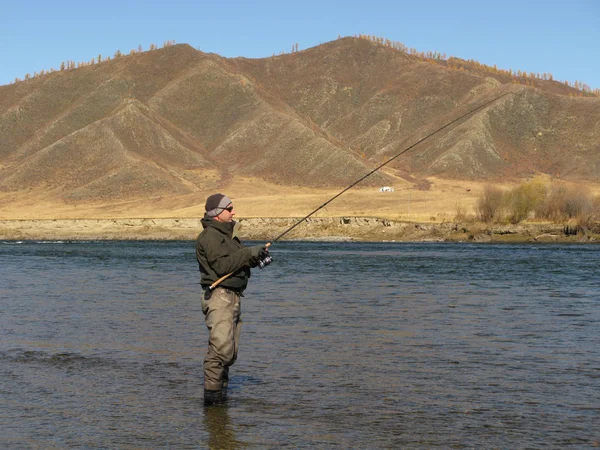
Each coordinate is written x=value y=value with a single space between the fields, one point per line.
x=573 y=229
x=577 y=203
x=563 y=203
x=489 y=205
x=524 y=200
x=589 y=216
x=594 y=219
x=552 y=207
x=558 y=203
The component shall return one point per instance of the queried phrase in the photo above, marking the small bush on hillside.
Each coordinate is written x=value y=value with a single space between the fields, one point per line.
x=489 y=205
x=523 y=200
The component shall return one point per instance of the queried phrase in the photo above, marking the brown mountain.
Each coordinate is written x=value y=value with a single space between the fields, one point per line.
x=173 y=121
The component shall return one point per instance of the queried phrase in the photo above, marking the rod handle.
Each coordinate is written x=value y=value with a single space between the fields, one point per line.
x=224 y=277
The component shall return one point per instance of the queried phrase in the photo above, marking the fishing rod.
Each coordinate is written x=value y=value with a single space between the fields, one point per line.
x=384 y=164
x=216 y=283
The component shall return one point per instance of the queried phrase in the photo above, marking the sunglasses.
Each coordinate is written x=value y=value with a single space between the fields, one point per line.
x=229 y=208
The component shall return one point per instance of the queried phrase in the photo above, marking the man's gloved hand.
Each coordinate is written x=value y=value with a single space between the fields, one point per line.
x=258 y=251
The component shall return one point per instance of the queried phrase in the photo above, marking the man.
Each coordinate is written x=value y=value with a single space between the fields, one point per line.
x=219 y=253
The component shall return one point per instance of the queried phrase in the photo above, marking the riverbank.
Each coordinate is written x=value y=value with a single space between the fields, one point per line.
x=324 y=229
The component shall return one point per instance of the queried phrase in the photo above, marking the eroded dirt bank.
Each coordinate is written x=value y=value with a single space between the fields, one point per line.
x=334 y=228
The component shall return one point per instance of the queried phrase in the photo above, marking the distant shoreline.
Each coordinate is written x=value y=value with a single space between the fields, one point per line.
x=314 y=229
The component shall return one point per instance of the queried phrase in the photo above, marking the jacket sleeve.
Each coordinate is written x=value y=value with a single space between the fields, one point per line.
x=223 y=259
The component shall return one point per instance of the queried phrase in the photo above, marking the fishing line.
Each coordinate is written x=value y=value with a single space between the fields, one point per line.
x=384 y=164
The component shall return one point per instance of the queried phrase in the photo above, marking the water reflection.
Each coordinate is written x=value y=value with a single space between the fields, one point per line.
x=221 y=433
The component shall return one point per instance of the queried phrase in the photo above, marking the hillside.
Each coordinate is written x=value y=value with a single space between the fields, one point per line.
x=178 y=122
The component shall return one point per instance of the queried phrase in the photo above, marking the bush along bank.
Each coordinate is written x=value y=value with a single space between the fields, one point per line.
x=541 y=200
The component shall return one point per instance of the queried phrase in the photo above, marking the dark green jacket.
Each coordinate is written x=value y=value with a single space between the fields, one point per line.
x=219 y=253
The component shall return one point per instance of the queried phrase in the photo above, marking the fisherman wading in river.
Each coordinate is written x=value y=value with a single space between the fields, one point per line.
x=225 y=266
x=223 y=260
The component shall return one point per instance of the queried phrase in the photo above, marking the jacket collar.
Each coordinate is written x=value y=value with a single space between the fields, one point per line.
x=223 y=227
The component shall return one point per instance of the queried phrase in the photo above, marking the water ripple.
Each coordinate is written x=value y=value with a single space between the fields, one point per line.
x=344 y=345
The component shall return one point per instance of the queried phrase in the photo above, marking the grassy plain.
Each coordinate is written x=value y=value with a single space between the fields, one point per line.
x=254 y=198
x=257 y=198
x=39 y=214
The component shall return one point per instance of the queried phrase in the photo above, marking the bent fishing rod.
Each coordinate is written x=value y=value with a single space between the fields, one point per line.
x=216 y=283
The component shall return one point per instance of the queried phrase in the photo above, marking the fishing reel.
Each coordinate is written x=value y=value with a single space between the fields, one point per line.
x=264 y=261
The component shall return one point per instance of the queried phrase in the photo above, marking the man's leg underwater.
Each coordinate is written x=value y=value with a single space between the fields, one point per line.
x=237 y=322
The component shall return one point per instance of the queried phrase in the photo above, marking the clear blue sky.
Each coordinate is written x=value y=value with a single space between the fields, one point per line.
x=558 y=37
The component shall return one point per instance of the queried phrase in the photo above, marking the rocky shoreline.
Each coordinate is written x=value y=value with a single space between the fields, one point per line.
x=321 y=229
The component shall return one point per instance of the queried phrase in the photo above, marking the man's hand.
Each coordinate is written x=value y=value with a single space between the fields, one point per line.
x=258 y=251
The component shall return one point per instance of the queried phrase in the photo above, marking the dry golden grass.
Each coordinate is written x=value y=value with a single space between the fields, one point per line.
x=257 y=198
x=43 y=215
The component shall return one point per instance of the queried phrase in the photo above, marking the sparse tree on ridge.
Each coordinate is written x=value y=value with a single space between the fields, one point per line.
x=470 y=66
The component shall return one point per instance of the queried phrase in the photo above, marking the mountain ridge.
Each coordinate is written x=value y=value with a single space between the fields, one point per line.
x=175 y=121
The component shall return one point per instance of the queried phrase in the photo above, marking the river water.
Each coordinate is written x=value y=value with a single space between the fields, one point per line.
x=344 y=345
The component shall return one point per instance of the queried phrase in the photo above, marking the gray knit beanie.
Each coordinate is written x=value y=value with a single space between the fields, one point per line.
x=215 y=204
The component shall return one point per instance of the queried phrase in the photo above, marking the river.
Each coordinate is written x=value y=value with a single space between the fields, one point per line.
x=344 y=345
